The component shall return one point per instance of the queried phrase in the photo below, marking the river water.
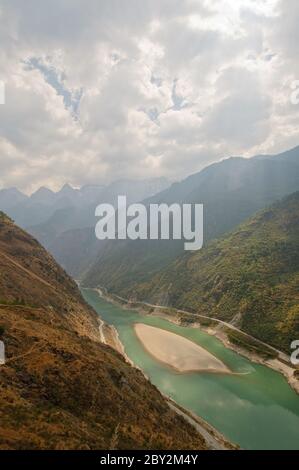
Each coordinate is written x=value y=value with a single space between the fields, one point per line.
x=257 y=410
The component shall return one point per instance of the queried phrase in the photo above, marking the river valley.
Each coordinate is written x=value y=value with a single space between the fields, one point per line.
x=254 y=407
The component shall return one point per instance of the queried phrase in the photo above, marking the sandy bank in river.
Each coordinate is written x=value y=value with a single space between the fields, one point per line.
x=177 y=351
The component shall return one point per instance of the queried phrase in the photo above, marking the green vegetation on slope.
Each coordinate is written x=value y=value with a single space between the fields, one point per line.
x=250 y=276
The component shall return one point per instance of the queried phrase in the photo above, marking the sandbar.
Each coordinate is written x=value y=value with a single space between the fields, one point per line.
x=177 y=352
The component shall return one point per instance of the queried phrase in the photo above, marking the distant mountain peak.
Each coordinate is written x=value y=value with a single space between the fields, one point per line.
x=43 y=195
x=67 y=187
x=42 y=190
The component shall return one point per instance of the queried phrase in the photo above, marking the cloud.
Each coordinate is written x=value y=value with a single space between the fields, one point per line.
x=241 y=115
x=102 y=90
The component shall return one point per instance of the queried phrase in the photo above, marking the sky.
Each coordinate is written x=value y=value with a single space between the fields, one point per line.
x=98 y=90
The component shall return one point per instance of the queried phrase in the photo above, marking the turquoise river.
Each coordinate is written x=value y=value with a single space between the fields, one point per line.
x=257 y=410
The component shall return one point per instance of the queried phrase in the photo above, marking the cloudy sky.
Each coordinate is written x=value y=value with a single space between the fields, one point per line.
x=98 y=90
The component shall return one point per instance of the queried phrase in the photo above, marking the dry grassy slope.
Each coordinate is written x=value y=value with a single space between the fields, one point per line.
x=60 y=388
x=30 y=276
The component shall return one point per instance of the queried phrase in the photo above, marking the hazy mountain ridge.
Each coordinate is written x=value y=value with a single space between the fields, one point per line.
x=56 y=218
x=231 y=190
x=250 y=276
x=60 y=387
x=27 y=210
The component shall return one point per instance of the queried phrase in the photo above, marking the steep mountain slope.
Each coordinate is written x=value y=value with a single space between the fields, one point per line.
x=250 y=276
x=76 y=250
x=231 y=191
x=60 y=387
x=77 y=213
x=10 y=197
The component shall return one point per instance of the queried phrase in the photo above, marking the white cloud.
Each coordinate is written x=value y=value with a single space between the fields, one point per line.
x=117 y=88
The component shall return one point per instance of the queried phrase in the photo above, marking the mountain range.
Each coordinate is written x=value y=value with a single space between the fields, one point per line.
x=44 y=204
x=64 y=221
x=231 y=191
x=243 y=274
